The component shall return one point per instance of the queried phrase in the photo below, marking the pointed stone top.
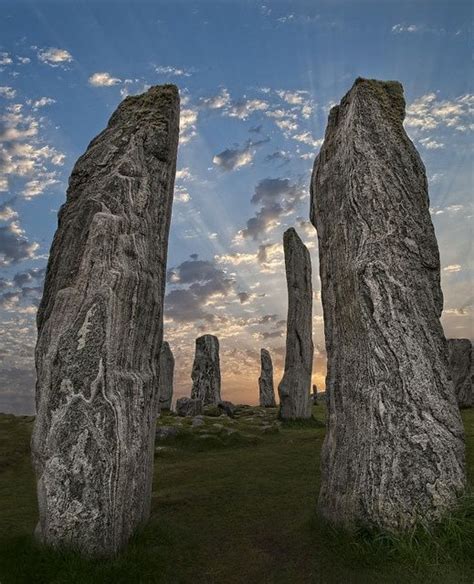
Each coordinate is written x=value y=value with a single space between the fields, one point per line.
x=156 y=102
x=371 y=94
x=291 y=234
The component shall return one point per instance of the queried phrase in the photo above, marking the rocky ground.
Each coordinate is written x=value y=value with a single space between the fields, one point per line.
x=233 y=502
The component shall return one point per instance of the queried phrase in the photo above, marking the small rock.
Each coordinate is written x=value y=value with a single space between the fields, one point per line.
x=227 y=407
x=197 y=422
x=164 y=432
x=186 y=406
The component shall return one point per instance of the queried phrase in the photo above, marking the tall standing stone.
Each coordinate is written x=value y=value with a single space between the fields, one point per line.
x=206 y=373
x=295 y=386
x=462 y=369
x=265 y=381
x=394 y=450
x=100 y=331
x=165 y=377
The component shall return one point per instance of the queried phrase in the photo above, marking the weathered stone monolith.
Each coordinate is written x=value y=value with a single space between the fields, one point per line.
x=462 y=369
x=165 y=377
x=100 y=331
x=265 y=381
x=394 y=451
x=314 y=395
x=206 y=373
x=295 y=386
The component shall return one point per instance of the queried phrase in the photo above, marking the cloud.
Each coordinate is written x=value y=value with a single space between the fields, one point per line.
x=172 y=71
x=298 y=97
x=219 y=101
x=14 y=245
x=187 y=124
x=54 y=57
x=103 y=79
x=7 y=213
x=280 y=156
x=37 y=186
x=236 y=258
x=7 y=92
x=431 y=144
x=31 y=276
x=400 y=28
x=277 y=197
x=233 y=159
x=41 y=102
x=181 y=194
x=196 y=285
x=429 y=112
x=243 y=108
x=452 y=268
x=5 y=59
x=416 y=28
x=23 y=154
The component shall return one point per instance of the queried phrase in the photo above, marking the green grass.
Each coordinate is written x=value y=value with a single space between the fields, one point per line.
x=237 y=506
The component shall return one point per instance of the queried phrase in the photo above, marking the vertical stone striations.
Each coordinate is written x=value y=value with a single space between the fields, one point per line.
x=100 y=330
x=265 y=381
x=165 y=377
x=394 y=450
x=462 y=368
x=206 y=373
x=295 y=386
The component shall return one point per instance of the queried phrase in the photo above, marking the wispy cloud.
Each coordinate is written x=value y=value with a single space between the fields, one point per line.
x=170 y=71
x=103 y=79
x=54 y=57
x=7 y=92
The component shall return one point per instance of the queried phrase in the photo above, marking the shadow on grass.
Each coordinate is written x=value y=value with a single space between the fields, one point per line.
x=152 y=555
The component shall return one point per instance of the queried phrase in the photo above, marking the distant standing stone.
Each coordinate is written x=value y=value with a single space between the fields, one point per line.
x=462 y=369
x=206 y=374
x=100 y=328
x=294 y=388
x=186 y=406
x=165 y=377
x=265 y=381
x=315 y=394
x=394 y=450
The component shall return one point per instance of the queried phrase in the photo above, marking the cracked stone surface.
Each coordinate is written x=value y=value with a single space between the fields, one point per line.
x=206 y=373
x=100 y=331
x=295 y=386
x=165 y=377
x=265 y=381
x=462 y=371
x=394 y=448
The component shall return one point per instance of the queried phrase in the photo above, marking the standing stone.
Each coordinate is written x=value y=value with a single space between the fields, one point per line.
x=295 y=387
x=165 y=377
x=265 y=381
x=100 y=331
x=315 y=394
x=206 y=374
x=462 y=368
x=394 y=450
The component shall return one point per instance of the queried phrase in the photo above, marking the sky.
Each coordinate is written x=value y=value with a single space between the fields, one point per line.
x=257 y=80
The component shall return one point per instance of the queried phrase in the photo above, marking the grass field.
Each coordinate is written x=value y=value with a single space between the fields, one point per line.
x=233 y=503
